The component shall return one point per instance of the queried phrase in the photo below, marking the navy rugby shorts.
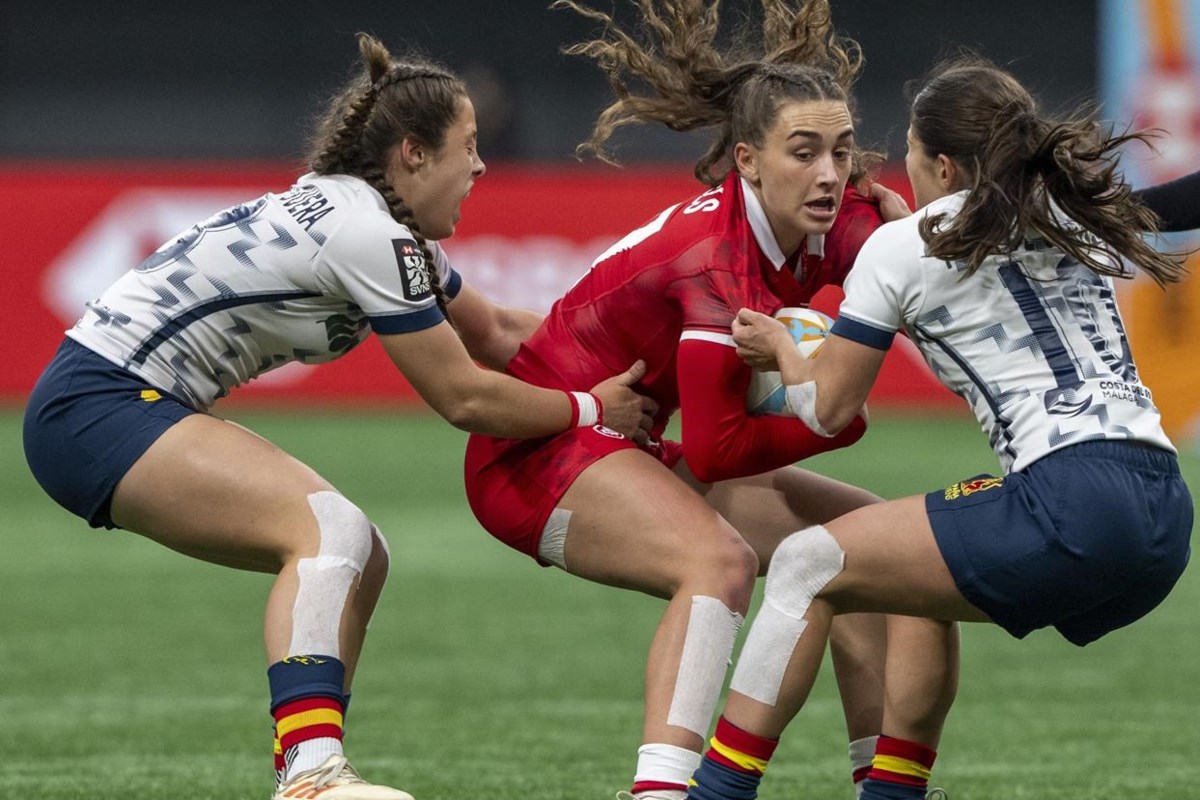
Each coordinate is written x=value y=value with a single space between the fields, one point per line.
x=86 y=423
x=1086 y=539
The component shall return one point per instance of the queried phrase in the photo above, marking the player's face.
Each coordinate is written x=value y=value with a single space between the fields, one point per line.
x=923 y=172
x=801 y=169
x=435 y=187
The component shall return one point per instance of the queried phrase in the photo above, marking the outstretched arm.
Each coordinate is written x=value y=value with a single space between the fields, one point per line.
x=491 y=332
x=1177 y=202
x=438 y=366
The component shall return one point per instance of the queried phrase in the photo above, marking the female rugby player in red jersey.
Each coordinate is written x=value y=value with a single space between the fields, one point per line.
x=697 y=522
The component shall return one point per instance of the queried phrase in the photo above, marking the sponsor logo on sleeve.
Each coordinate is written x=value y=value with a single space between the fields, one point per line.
x=414 y=277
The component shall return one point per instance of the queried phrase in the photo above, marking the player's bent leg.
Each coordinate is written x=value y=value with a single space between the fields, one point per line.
x=767 y=508
x=634 y=524
x=881 y=557
x=218 y=492
x=775 y=670
x=893 y=564
x=922 y=680
x=922 y=677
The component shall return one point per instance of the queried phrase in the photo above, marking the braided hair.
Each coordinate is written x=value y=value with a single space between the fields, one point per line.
x=692 y=85
x=388 y=100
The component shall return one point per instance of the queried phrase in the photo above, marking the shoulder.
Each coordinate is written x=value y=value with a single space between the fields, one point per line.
x=663 y=240
x=903 y=236
x=361 y=216
x=857 y=218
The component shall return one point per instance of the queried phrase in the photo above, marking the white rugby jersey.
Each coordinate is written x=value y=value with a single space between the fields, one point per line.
x=1032 y=341
x=296 y=276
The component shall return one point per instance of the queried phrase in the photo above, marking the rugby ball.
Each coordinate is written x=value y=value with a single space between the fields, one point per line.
x=809 y=328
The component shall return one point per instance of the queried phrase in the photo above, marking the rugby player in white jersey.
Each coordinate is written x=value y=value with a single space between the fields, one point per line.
x=1004 y=280
x=117 y=429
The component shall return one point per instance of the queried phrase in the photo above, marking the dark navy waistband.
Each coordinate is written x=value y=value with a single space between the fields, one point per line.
x=1131 y=452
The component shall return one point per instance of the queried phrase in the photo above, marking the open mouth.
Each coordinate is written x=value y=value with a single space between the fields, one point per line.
x=824 y=204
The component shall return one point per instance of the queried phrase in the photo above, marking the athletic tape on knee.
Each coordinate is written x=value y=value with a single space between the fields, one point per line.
x=801 y=567
x=711 y=630
x=325 y=580
x=378 y=536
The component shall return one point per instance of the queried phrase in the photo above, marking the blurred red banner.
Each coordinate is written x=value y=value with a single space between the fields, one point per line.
x=528 y=233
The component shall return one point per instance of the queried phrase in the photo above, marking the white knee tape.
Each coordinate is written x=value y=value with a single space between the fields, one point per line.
x=711 y=630
x=801 y=567
x=378 y=536
x=325 y=580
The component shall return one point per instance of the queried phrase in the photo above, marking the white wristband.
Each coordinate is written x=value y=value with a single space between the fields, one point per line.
x=802 y=400
x=589 y=409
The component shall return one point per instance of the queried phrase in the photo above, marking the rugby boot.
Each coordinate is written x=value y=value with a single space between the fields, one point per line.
x=335 y=779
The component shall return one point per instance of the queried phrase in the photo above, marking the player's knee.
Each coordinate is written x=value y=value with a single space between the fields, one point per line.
x=378 y=566
x=346 y=535
x=803 y=564
x=326 y=580
x=728 y=566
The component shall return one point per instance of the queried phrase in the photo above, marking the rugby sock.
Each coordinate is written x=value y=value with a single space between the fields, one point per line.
x=309 y=707
x=862 y=751
x=280 y=761
x=664 y=768
x=733 y=765
x=900 y=770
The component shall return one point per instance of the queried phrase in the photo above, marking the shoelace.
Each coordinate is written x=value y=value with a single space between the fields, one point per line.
x=335 y=772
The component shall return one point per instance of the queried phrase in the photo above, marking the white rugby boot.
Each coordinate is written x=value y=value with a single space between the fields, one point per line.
x=661 y=794
x=335 y=779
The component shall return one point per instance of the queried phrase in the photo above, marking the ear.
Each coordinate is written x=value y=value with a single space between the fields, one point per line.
x=745 y=158
x=948 y=173
x=412 y=153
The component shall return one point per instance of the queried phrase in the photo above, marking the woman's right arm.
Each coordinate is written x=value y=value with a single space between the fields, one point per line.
x=1177 y=202
x=482 y=401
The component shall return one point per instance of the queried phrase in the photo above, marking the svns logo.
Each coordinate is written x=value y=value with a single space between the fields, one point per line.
x=307 y=661
x=964 y=488
x=413 y=275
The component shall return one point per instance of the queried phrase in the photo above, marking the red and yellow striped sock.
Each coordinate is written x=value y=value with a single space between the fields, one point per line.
x=307 y=720
x=280 y=763
x=733 y=765
x=903 y=763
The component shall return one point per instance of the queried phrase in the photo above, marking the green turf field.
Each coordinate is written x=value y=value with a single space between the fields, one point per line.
x=129 y=672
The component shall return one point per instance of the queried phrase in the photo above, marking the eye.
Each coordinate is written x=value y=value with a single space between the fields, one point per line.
x=842 y=154
x=804 y=155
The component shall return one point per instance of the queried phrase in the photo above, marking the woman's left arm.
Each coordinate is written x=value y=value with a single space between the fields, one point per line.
x=492 y=333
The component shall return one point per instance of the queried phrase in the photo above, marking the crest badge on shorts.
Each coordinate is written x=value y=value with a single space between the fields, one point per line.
x=413 y=276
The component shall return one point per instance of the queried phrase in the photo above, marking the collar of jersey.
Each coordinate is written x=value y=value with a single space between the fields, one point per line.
x=815 y=246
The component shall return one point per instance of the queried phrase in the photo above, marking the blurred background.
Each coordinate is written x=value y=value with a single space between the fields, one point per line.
x=236 y=80
x=124 y=123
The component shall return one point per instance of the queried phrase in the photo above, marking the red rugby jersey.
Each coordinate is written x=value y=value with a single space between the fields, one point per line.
x=667 y=293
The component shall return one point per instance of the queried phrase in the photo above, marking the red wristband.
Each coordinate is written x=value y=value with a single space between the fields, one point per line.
x=574 y=409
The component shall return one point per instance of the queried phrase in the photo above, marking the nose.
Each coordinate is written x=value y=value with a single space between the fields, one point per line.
x=828 y=173
x=479 y=167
